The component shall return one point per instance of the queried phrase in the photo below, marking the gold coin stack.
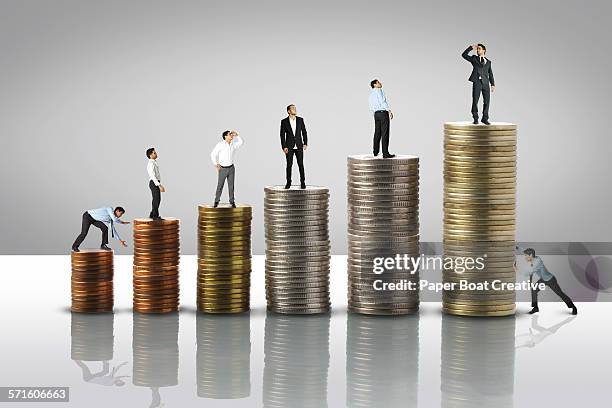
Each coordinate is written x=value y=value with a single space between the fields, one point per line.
x=479 y=216
x=223 y=357
x=156 y=265
x=224 y=258
x=92 y=281
x=477 y=362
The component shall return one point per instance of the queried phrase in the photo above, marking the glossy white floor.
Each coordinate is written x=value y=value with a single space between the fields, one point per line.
x=428 y=360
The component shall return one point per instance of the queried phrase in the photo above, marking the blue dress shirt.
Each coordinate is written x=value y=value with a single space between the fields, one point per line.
x=378 y=100
x=107 y=216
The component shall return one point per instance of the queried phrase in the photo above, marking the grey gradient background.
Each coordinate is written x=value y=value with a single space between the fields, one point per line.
x=87 y=86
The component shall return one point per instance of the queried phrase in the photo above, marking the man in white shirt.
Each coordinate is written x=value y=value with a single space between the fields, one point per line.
x=222 y=157
x=154 y=183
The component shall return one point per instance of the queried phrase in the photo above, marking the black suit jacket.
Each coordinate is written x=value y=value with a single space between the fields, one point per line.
x=288 y=139
x=479 y=71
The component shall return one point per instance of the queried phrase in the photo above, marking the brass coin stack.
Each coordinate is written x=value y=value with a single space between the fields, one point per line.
x=223 y=360
x=477 y=362
x=479 y=215
x=383 y=220
x=224 y=258
x=156 y=265
x=382 y=361
x=297 y=249
x=92 y=281
x=155 y=350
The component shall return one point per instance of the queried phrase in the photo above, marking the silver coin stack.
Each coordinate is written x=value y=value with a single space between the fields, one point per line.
x=297 y=249
x=383 y=221
x=296 y=361
x=382 y=361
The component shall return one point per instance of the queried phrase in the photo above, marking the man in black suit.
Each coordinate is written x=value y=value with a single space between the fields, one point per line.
x=294 y=140
x=481 y=77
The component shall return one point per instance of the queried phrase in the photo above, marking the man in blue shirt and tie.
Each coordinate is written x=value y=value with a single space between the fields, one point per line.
x=539 y=269
x=382 y=118
x=99 y=218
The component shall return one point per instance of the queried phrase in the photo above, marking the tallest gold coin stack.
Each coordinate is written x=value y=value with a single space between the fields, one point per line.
x=479 y=215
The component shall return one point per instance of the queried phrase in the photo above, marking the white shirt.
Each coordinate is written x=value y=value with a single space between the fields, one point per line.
x=223 y=153
x=292 y=121
x=153 y=170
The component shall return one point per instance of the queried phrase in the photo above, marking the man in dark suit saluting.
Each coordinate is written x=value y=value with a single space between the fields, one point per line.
x=481 y=77
x=294 y=140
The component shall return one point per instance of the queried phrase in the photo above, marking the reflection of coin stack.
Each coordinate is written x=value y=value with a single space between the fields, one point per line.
x=382 y=361
x=224 y=258
x=479 y=214
x=296 y=361
x=223 y=366
x=477 y=362
x=383 y=220
x=92 y=281
x=92 y=337
x=297 y=249
x=156 y=265
x=155 y=350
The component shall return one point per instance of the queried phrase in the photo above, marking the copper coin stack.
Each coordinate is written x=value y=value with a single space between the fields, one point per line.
x=156 y=265
x=479 y=216
x=155 y=350
x=92 y=281
x=92 y=336
x=224 y=258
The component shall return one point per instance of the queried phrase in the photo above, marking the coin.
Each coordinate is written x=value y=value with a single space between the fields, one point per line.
x=297 y=249
x=156 y=265
x=224 y=258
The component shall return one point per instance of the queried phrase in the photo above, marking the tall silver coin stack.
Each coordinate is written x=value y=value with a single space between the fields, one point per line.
x=383 y=220
x=297 y=249
x=479 y=215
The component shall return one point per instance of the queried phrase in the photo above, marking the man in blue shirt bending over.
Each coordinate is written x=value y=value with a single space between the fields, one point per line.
x=539 y=269
x=99 y=218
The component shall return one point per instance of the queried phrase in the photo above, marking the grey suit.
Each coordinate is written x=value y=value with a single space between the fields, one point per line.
x=229 y=174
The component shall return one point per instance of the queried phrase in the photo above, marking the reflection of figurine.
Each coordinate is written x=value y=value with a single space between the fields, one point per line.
x=382 y=118
x=154 y=183
x=222 y=158
x=156 y=401
x=481 y=77
x=294 y=140
x=534 y=338
x=99 y=218
x=539 y=269
x=103 y=377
